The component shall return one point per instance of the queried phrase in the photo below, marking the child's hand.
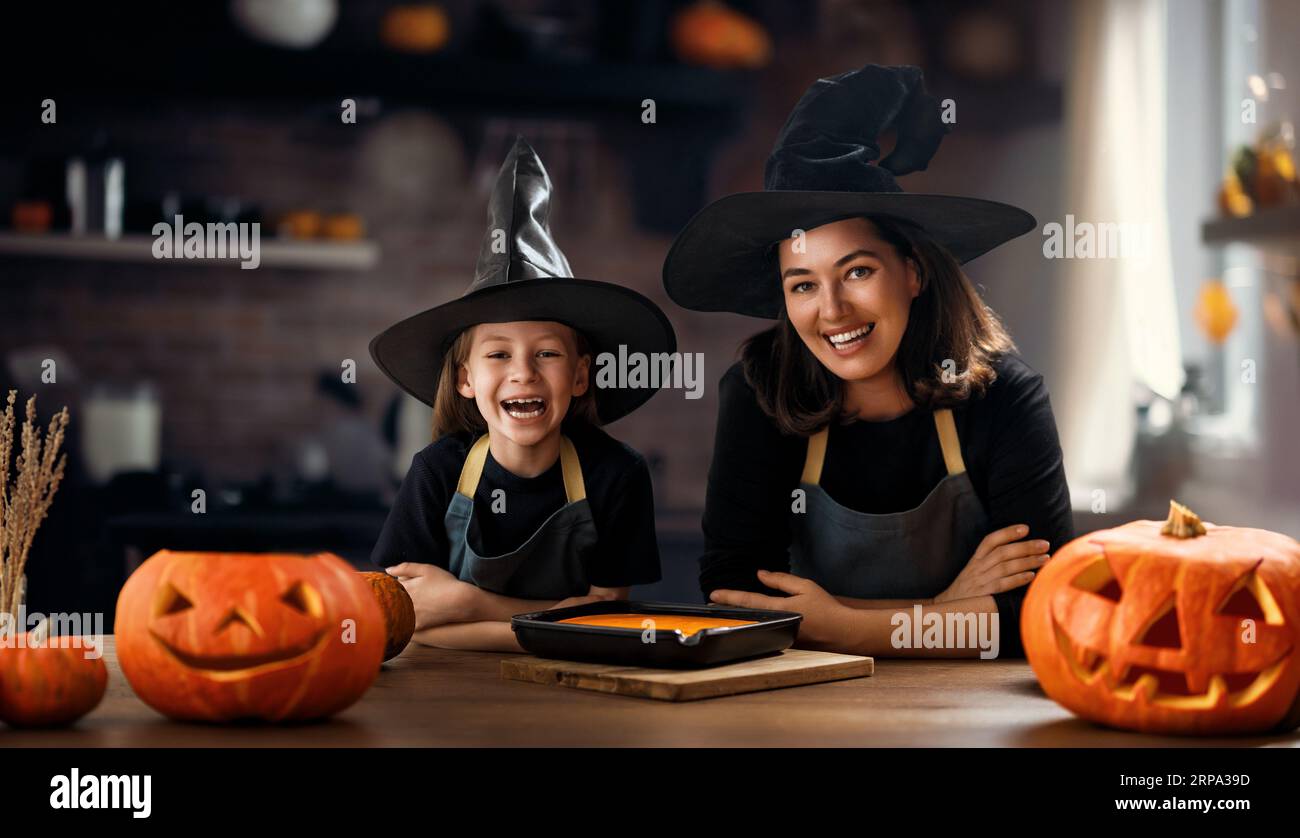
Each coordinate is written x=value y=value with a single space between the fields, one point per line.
x=439 y=597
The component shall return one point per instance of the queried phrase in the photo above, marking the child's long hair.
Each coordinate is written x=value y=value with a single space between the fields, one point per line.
x=453 y=413
x=948 y=320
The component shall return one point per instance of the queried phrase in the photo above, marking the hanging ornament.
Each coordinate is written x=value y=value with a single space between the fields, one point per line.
x=1215 y=312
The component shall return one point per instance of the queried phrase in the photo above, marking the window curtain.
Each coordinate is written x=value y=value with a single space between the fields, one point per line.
x=1117 y=318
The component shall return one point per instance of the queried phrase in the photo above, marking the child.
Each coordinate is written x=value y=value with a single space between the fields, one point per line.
x=522 y=503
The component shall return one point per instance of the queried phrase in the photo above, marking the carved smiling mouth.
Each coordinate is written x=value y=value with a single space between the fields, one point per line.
x=1165 y=687
x=227 y=665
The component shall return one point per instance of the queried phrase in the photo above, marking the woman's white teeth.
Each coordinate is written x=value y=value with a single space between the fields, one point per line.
x=524 y=408
x=847 y=337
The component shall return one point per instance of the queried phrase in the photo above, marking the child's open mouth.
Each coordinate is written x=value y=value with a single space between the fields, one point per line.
x=848 y=340
x=527 y=408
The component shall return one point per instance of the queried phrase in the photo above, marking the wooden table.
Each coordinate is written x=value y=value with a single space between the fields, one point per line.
x=435 y=697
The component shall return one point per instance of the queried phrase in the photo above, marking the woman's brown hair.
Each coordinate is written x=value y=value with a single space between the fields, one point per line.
x=947 y=321
x=454 y=413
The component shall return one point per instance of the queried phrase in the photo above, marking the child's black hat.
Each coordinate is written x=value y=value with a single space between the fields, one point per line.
x=523 y=275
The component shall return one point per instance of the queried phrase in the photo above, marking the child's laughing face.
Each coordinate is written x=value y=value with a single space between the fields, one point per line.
x=522 y=376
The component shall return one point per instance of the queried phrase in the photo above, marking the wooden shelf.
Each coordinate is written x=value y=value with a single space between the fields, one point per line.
x=275 y=253
x=1275 y=228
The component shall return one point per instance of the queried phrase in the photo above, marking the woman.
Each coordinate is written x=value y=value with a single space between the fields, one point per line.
x=881 y=452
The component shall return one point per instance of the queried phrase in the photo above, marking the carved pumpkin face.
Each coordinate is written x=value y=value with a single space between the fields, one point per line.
x=221 y=636
x=1148 y=631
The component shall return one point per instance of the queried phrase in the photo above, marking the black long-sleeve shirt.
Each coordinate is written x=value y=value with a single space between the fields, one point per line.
x=1008 y=441
x=619 y=493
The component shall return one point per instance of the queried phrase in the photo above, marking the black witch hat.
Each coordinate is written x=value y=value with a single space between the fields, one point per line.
x=523 y=275
x=826 y=167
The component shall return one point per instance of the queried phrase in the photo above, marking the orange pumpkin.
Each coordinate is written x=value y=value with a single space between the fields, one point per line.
x=1215 y=312
x=398 y=610
x=32 y=216
x=222 y=636
x=52 y=682
x=709 y=34
x=1174 y=627
x=415 y=27
x=301 y=224
x=343 y=226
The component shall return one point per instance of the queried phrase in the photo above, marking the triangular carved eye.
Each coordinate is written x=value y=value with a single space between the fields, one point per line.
x=303 y=597
x=1099 y=579
x=1250 y=599
x=1164 y=632
x=171 y=601
x=1242 y=603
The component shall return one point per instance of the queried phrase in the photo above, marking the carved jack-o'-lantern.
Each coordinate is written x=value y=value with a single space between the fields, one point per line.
x=1176 y=628
x=221 y=636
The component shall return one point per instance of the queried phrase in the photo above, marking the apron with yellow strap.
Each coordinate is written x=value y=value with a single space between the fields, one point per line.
x=550 y=564
x=905 y=555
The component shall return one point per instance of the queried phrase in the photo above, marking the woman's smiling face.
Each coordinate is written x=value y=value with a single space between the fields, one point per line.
x=522 y=376
x=848 y=295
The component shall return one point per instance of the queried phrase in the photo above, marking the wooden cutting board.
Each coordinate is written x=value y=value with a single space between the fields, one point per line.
x=791 y=668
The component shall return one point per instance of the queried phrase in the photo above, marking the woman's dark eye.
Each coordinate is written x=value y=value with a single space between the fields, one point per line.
x=861 y=272
x=801 y=287
x=498 y=355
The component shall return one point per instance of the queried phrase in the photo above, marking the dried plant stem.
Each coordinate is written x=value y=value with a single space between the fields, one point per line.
x=24 y=504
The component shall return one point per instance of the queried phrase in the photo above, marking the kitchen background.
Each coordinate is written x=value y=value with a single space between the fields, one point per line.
x=1174 y=377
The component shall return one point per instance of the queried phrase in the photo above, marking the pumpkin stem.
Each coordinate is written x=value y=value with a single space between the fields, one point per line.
x=1182 y=522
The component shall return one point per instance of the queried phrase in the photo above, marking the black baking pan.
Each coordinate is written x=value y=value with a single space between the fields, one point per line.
x=542 y=634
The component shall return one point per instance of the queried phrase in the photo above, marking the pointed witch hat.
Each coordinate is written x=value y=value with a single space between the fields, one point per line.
x=523 y=275
x=825 y=167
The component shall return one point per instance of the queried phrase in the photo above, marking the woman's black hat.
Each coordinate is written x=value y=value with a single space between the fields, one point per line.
x=826 y=167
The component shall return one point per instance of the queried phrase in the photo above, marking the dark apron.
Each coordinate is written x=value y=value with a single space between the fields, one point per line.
x=905 y=555
x=549 y=565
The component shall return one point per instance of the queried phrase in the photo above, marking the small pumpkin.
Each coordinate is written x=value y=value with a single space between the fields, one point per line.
x=223 y=636
x=415 y=27
x=32 y=216
x=344 y=226
x=1215 y=312
x=1275 y=179
x=1178 y=627
x=709 y=34
x=398 y=610
x=301 y=224
x=1233 y=199
x=45 y=683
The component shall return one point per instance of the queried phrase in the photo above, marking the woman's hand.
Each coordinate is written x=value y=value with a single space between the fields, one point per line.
x=826 y=623
x=438 y=596
x=1000 y=563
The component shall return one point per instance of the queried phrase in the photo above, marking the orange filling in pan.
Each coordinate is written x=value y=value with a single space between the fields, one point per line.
x=684 y=623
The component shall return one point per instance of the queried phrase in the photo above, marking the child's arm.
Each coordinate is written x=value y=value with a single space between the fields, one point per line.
x=490 y=606
x=496 y=635
x=481 y=636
